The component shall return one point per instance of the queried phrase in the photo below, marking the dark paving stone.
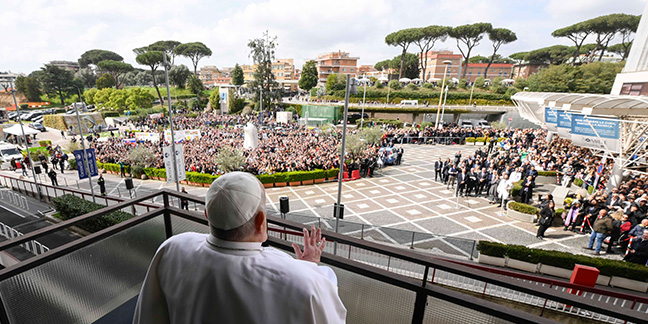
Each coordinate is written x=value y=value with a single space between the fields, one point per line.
x=441 y=225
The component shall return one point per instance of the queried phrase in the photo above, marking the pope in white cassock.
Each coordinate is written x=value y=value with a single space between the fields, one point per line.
x=228 y=277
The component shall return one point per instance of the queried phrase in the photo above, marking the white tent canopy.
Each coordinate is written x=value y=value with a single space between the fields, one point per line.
x=433 y=79
x=416 y=80
x=382 y=78
x=15 y=130
x=405 y=80
x=363 y=80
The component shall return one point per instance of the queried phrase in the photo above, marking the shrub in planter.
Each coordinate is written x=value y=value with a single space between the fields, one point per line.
x=318 y=174
x=523 y=208
x=72 y=164
x=470 y=140
x=517 y=187
x=280 y=177
x=44 y=143
x=266 y=178
x=547 y=173
x=492 y=248
x=578 y=182
x=71 y=206
x=198 y=177
x=332 y=173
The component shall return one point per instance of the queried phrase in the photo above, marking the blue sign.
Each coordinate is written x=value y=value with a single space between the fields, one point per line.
x=564 y=124
x=551 y=119
x=92 y=163
x=594 y=132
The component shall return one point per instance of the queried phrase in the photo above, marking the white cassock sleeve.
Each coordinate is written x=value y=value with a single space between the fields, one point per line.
x=151 y=304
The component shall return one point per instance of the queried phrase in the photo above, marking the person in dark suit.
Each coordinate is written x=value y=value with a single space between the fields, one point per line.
x=445 y=171
x=452 y=176
x=461 y=183
x=527 y=189
x=438 y=167
x=484 y=178
x=471 y=183
x=638 y=250
x=547 y=215
x=457 y=157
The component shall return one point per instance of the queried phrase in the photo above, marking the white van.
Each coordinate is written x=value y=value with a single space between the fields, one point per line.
x=409 y=103
x=465 y=123
x=9 y=151
x=481 y=124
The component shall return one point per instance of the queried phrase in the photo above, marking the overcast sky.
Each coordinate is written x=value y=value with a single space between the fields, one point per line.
x=35 y=32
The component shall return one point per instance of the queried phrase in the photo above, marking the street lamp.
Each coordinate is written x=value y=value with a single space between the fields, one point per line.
x=13 y=93
x=364 y=97
x=445 y=71
x=444 y=104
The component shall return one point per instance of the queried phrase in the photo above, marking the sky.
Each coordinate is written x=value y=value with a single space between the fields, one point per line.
x=38 y=31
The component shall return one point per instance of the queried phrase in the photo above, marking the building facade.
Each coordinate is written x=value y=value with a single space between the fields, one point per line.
x=496 y=70
x=525 y=70
x=435 y=66
x=72 y=66
x=283 y=69
x=336 y=63
x=208 y=75
x=633 y=79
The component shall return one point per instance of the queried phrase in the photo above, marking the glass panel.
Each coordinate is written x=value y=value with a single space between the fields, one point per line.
x=86 y=284
x=180 y=225
x=441 y=311
x=371 y=301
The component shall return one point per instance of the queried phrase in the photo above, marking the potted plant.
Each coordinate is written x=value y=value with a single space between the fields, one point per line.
x=521 y=212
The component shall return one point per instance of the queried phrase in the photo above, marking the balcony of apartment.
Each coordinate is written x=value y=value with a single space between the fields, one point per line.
x=97 y=278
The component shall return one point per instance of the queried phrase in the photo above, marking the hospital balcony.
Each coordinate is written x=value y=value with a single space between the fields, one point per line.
x=97 y=278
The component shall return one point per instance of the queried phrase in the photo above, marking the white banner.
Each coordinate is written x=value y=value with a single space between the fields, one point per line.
x=168 y=162
x=179 y=135
x=192 y=134
x=151 y=137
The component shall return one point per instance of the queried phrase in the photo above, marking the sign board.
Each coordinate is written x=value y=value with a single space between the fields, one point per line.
x=151 y=137
x=192 y=134
x=179 y=135
x=564 y=124
x=168 y=162
x=158 y=115
x=551 y=119
x=596 y=133
x=92 y=163
x=284 y=117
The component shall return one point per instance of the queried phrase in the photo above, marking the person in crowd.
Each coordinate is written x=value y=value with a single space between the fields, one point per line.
x=23 y=166
x=461 y=183
x=527 y=189
x=503 y=190
x=227 y=276
x=13 y=164
x=452 y=176
x=547 y=215
x=52 y=176
x=638 y=250
x=492 y=189
x=602 y=227
x=571 y=216
x=102 y=185
x=184 y=203
x=438 y=167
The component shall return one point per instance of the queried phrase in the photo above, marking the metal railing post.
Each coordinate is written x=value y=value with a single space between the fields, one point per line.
x=412 y=244
x=419 y=308
x=473 y=250
x=167 y=216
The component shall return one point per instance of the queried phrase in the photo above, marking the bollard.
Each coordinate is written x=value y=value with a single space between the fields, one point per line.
x=77 y=182
x=118 y=192
x=412 y=244
x=66 y=184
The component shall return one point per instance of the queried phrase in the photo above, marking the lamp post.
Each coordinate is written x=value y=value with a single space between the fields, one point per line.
x=471 y=92
x=444 y=102
x=85 y=154
x=364 y=97
x=173 y=149
x=445 y=71
x=388 y=89
x=338 y=207
x=13 y=94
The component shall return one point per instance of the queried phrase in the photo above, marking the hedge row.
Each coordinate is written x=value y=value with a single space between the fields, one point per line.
x=198 y=177
x=423 y=95
x=547 y=173
x=55 y=121
x=564 y=260
x=523 y=208
x=483 y=139
x=380 y=121
x=414 y=110
x=71 y=206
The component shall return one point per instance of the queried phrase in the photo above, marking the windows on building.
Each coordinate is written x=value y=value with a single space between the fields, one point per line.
x=634 y=89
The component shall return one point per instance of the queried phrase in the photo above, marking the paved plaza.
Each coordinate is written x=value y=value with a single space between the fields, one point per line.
x=397 y=201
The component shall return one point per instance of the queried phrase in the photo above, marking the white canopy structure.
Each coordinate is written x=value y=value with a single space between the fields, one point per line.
x=362 y=80
x=508 y=81
x=433 y=79
x=15 y=130
x=416 y=80
x=383 y=78
x=405 y=80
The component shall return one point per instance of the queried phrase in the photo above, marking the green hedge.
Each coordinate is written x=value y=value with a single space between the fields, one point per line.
x=198 y=177
x=44 y=143
x=523 y=208
x=578 y=182
x=114 y=167
x=378 y=121
x=565 y=260
x=547 y=173
x=71 y=206
x=517 y=187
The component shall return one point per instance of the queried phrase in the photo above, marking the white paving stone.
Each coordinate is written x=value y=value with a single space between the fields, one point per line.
x=419 y=196
x=424 y=183
x=347 y=196
x=444 y=206
x=400 y=188
x=471 y=201
x=392 y=201
x=414 y=212
x=363 y=206
x=374 y=192
x=445 y=191
x=320 y=201
x=383 y=180
x=310 y=192
x=473 y=219
x=361 y=184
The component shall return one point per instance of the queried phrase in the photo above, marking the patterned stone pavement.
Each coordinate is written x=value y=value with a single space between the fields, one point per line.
x=406 y=197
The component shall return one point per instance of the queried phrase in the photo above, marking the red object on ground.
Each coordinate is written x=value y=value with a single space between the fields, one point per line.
x=355 y=174
x=346 y=175
x=17 y=165
x=583 y=275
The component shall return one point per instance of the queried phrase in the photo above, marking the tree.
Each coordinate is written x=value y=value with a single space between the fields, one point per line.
x=153 y=59
x=29 y=87
x=58 y=81
x=519 y=57
x=309 y=77
x=139 y=98
x=425 y=38
x=620 y=50
x=596 y=77
x=143 y=78
x=195 y=85
x=130 y=78
x=237 y=76
x=335 y=82
x=557 y=54
x=92 y=57
x=410 y=65
x=479 y=59
x=372 y=135
x=577 y=34
x=87 y=77
x=214 y=99
x=115 y=68
x=230 y=159
x=382 y=65
x=140 y=158
x=262 y=52
x=469 y=35
x=626 y=30
x=117 y=100
x=402 y=38
x=193 y=51
x=105 y=81
x=89 y=96
x=499 y=37
x=167 y=47
x=178 y=75
x=102 y=97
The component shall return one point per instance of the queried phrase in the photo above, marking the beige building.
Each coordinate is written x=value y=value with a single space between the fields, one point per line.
x=336 y=63
x=435 y=66
x=283 y=69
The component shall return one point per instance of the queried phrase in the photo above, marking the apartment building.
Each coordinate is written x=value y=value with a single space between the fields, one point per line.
x=72 y=66
x=283 y=69
x=475 y=70
x=208 y=75
x=336 y=63
x=524 y=70
x=435 y=66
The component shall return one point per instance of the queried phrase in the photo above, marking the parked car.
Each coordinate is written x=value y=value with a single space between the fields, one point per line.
x=38 y=119
x=38 y=127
